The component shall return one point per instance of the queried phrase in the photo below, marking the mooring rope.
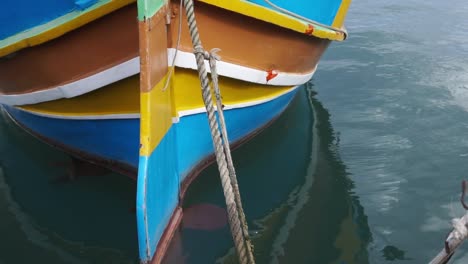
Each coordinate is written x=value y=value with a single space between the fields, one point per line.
x=236 y=215
x=458 y=235
x=224 y=136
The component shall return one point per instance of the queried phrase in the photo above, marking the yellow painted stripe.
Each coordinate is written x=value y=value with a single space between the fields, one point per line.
x=122 y=97
x=157 y=109
x=274 y=17
x=338 y=22
x=58 y=27
x=188 y=94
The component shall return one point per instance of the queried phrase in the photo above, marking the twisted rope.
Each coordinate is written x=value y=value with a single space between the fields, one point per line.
x=224 y=135
x=460 y=232
x=236 y=215
x=457 y=236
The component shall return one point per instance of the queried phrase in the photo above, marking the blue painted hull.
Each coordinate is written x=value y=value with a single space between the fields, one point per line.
x=110 y=139
x=318 y=10
x=20 y=15
x=192 y=140
x=118 y=140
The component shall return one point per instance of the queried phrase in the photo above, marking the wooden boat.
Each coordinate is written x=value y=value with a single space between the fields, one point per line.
x=346 y=237
x=77 y=89
x=48 y=74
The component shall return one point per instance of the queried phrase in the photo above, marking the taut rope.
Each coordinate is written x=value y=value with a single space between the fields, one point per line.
x=236 y=215
x=457 y=236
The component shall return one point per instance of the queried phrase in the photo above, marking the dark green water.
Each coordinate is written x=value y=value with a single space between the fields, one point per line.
x=90 y=220
x=364 y=166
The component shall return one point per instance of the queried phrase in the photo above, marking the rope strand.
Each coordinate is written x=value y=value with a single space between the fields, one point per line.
x=236 y=215
x=457 y=236
x=224 y=135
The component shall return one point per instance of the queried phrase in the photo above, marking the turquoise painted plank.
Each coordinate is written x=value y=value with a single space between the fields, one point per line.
x=147 y=8
x=157 y=194
x=20 y=15
x=322 y=11
x=239 y=122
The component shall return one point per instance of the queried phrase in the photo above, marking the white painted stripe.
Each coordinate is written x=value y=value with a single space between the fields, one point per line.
x=79 y=87
x=83 y=117
x=187 y=60
x=174 y=119
x=132 y=67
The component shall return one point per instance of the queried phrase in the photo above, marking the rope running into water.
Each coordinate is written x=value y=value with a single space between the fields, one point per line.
x=457 y=236
x=453 y=241
x=213 y=57
x=236 y=217
x=287 y=12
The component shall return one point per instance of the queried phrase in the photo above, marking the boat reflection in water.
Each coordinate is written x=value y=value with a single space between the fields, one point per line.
x=51 y=221
x=297 y=196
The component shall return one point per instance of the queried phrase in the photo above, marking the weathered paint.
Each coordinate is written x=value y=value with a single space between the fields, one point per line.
x=147 y=9
x=158 y=179
x=156 y=117
x=56 y=27
x=156 y=103
x=157 y=194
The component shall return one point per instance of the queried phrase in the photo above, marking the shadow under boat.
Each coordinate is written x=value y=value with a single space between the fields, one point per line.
x=296 y=193
x=60 y=222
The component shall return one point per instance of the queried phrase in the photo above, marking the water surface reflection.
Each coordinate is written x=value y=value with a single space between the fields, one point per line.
x=297 y=196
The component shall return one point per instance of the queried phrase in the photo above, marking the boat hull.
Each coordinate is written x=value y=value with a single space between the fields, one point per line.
x=159 y=134
x=114 y=143
x=61 y=68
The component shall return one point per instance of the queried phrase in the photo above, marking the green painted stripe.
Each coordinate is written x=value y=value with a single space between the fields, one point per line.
x=49 y=25
x=147 y=8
